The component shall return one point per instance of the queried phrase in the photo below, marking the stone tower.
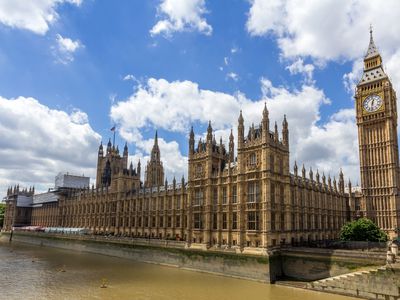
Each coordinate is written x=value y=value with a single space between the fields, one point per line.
x=378 y=146
x=154 y=171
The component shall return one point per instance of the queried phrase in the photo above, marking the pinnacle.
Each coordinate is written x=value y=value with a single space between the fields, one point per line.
x=372 y=50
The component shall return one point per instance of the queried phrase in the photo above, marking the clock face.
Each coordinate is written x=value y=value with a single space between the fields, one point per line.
x=372 y=103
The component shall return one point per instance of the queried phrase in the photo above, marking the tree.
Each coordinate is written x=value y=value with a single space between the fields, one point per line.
x=362 y=230
x=2 y=211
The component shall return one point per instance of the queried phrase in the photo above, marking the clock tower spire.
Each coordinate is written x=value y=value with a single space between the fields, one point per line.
x=376 y=112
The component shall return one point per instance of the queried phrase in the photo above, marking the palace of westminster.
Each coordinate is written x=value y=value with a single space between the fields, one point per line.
x=251 y=200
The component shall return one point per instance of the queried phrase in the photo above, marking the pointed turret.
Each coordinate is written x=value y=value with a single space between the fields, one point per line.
x=303 y=172
x=295 y=169
x=125 y=149
x=265 y=124
x=276 y=134
x=199 y=146
x=311 y=174
x=191 y=141
x=252 y=132
x=209 y=133
x=101 y=149
x=155 y=152
x=154 y=174
x=317 y=176
x=240 y=130
x=231 y=146
x=109 y=146
x=138 y=168
x=341 y=181
x=265 y=112
x=285 y=131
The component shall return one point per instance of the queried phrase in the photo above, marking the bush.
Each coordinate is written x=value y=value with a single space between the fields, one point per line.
x=362 y=230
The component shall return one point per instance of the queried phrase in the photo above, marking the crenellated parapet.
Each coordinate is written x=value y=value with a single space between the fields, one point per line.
x=321 y=184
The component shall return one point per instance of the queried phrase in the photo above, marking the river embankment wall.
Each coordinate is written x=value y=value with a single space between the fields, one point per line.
x=295 y=263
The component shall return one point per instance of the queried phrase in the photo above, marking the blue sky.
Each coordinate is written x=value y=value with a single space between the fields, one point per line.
x=70 y=69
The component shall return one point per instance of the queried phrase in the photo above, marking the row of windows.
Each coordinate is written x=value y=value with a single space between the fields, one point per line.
x=145 y=221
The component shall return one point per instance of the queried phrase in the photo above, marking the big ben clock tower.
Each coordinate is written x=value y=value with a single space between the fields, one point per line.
x=378 y=146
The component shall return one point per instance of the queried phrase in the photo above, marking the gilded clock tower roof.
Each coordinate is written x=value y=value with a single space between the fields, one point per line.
x=373 y=70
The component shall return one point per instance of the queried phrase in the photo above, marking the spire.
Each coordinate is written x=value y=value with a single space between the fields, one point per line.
x=209 y=133
x=295 y=169
x=101 y=149
x=285 y=131
x=191 y=141
x=126 y=149
x=276 y=135
x=231 y=146
x=109 y=146
x=284 y=122
x=155 y=152
x=372 y=50
x=138 y=168
x=241 y=120
x=265 y=111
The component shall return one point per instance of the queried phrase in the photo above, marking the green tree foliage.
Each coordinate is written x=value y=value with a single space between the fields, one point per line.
x=362 y=230
x=2 y=210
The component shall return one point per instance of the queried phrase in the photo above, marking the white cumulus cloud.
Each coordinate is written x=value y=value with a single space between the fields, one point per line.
x=32 y=15
x=38 y=142
x=181 y=15
x=174 y=106
x=298 y=66
x=332 y=30
x=66 y=48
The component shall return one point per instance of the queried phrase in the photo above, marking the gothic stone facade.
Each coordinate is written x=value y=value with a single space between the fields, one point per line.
x=246 y=199
x=250 y=200
x=378 y=144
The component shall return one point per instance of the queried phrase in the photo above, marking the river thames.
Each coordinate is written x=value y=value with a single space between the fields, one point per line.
x=32 y=272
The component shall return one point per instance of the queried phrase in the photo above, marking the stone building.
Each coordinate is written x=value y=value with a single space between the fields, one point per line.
x=376 y=111
x=248 y=201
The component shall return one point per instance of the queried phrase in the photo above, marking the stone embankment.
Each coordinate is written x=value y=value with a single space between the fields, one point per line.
x=374 y=283
x=294 y=263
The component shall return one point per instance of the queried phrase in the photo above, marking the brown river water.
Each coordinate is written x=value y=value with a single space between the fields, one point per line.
x=32 y=272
